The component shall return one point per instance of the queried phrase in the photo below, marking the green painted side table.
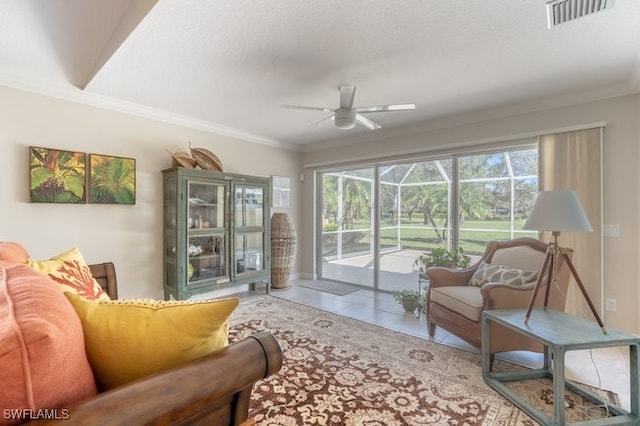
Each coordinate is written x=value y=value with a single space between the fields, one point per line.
x=559 y=333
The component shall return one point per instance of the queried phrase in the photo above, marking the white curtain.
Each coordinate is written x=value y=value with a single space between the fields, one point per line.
x=572 y=160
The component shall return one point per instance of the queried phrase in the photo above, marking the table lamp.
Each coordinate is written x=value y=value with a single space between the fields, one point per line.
x=558 y=211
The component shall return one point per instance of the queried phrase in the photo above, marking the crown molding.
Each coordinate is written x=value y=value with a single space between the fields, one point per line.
x=76 y=95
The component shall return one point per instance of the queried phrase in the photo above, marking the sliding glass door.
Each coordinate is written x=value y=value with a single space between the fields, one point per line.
x=415 y=216
x=347 y=226
x=496 y=193
x=376 y=220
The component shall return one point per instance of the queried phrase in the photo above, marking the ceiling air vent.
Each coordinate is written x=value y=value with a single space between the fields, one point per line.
x=561 y=11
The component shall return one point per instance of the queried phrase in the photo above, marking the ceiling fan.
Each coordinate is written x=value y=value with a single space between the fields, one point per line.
x=347 y=116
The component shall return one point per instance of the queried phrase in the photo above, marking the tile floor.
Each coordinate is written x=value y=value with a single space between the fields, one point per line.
x=605 y=368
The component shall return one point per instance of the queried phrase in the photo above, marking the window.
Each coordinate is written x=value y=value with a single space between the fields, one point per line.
x=377 y=220
x=496 y=193
x=347 y=225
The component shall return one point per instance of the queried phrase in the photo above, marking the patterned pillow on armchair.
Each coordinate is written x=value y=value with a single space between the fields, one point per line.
x=489 y=273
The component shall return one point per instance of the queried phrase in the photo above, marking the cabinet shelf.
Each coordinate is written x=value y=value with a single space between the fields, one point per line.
x=206 y=231
x=200 y=202
x=204 y=256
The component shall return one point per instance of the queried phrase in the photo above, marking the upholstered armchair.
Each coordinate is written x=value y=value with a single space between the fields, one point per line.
x=457 y=298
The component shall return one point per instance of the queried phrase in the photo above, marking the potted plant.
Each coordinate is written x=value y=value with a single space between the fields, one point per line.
x=409 y=299
x=440 y=256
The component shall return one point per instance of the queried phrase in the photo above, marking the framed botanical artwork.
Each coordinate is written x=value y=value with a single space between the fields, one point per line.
x=112 y=180
x=57 y=176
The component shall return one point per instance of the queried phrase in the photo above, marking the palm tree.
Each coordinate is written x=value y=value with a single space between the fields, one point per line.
x=473 y=201
x=356 y=198
x=432 y=200
x=330 y=198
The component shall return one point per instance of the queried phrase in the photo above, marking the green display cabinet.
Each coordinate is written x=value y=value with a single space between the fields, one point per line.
x=216 y=231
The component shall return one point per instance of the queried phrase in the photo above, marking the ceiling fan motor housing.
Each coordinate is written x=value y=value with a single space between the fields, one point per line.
x=345 y=118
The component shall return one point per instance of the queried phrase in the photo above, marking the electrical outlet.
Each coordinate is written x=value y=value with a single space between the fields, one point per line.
x=610 y=305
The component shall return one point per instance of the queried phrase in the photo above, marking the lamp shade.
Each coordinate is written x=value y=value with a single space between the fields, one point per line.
x=559 y=211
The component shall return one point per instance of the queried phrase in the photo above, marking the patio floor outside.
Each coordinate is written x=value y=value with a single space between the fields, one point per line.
x=396 y=270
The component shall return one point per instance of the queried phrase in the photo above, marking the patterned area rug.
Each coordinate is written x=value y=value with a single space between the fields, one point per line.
x=340 y=371
x=329 y=287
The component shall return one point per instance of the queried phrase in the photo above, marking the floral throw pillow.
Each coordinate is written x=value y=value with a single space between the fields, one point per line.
x=70 y=271
x=488 y=273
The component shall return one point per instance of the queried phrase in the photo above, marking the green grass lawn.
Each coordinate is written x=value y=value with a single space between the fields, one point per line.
x=474 y=235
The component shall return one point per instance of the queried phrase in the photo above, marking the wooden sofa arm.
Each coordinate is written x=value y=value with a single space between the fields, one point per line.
x=212 y=390
x=105 y=274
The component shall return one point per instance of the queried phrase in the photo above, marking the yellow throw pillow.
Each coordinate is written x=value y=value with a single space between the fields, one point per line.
x=129 y=339
x=70 y=271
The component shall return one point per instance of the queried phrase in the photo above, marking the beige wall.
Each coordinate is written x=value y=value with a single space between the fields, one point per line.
x=131 y=236
x=621 y=183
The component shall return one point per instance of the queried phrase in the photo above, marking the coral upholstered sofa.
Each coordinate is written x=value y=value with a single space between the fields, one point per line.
x=49 y=370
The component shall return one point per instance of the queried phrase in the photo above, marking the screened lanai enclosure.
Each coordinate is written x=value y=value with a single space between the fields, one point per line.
x=377 y=219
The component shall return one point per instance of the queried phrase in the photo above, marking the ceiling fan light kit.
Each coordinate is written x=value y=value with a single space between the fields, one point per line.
x=346 y=116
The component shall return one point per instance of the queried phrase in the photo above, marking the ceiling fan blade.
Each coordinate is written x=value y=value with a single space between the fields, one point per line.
x=323 y=122
x=365 y=122
x=312 y=108
x=347 y=94
x=382 y=108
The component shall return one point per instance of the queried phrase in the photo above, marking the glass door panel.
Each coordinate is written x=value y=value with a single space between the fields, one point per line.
x=249 y=206
x=249 y=253
x=206 y=241
x=497 y=191
x=347 y=226
x=415 y=203
x=206 y=258
x=249 y=229
x=206 y=206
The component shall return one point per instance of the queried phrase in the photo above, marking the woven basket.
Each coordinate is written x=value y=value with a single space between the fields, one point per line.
x=283 y=249
x=182 y=159
x=206 y=159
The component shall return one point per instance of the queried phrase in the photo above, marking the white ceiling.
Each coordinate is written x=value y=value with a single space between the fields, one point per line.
x=228 y=65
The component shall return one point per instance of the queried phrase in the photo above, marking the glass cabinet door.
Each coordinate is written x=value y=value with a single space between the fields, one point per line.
x=249 y=206
x=249 y=253
x=206 y=205
x=206 y=241
x=249 y=229
x=206 y=258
